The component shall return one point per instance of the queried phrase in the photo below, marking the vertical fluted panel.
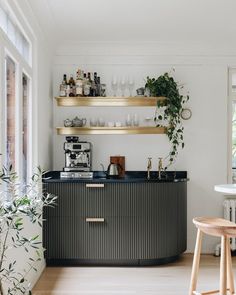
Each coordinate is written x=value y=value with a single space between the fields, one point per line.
x=142 y=221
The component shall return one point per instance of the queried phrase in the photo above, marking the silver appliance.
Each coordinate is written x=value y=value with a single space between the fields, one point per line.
x=113 y=170
x=78 y=159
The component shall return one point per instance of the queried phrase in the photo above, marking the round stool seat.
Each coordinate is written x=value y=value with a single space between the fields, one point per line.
x=215 y=226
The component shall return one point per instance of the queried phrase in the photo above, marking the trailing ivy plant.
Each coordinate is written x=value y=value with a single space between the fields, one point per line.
x=169 y=111
x=18 y=205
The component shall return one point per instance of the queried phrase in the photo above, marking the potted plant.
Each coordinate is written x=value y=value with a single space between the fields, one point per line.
x=169 y=111
x=18 y=205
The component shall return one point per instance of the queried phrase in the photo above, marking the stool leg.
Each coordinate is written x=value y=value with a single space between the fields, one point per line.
x=223 y=266
x=196 y=260
x=230 y=276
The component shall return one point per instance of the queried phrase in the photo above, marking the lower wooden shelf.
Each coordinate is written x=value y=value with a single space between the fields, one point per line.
x=110 y=130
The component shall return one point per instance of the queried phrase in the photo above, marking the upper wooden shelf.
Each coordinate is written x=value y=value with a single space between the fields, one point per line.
x=109 y=101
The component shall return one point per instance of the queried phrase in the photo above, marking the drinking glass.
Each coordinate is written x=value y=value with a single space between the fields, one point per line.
x=93 y=122
x=114 y=85
x=130 y=86
x=128 y=121
x=101 y=122
x=123 y=86
x=136 y=120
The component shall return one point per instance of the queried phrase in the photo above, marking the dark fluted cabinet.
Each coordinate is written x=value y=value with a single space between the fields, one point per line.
x=120 y=223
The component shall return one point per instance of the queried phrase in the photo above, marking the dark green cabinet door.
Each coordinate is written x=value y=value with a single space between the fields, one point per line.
x=141 y=221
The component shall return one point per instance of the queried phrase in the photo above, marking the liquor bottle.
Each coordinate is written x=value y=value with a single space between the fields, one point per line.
x=63 y=86
x=87 y=86
x=84 y=81
x=98 y=86
x=72 y=86
x=93 y=86
x=95 y=77
x=67 y=87
x=79 y=83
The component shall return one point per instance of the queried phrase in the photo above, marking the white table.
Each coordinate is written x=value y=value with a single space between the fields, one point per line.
x=226 y=188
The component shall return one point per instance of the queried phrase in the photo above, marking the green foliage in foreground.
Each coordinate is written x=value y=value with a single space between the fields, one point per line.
x=20 y=204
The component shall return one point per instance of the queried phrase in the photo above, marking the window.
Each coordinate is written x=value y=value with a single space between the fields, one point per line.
x=15 y=34
x=25 y=129
x=10 y=103
x=16 y=105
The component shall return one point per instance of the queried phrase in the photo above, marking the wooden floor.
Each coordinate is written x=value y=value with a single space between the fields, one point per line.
x=170 y=279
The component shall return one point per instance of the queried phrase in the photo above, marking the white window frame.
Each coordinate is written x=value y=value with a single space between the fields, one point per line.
x=8 y=49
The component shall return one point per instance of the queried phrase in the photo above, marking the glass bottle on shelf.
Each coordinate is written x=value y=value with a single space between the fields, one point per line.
x=93 y=86
x=84 y=83
x=67 y=88
x=72 y=86
x=87 y=86
x=98 y=86
x=79 y=83
x=63 y=86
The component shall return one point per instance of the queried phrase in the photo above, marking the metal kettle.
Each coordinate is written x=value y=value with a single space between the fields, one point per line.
x=113 y=170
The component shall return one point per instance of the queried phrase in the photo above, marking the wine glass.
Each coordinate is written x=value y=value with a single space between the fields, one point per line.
x=130 y=86
x=123 y=86
x=114 y=85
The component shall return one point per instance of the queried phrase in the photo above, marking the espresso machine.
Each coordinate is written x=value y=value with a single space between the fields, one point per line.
x=78 y=158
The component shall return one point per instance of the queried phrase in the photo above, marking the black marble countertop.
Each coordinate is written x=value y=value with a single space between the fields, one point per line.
x=130 y=176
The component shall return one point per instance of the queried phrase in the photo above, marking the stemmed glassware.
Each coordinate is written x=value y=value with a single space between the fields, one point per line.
x=123 y=86
x=130 y=85
x=114 y=85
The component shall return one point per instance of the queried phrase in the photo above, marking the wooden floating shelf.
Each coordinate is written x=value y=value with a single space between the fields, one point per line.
x=109 y=130
x=109 y=101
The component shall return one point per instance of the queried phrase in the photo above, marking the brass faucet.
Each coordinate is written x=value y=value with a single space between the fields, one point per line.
x=160 y=167
x=149 y=167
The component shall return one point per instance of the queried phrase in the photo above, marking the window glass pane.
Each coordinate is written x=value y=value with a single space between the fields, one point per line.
x=10 y=111
x=25 y=48
x=14 y=33
x=25 y=101
x=3 y=20
x=233 y=82
x=11 y=32
x=19 y=42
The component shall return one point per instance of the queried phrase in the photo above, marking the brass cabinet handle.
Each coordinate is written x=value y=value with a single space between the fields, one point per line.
x=95 y=219
x=91 y=185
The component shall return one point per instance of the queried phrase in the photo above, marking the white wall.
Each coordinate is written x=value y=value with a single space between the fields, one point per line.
x=203 y=70
x=44 y=105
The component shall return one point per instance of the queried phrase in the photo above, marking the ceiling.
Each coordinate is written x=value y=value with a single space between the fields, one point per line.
x=137 y=20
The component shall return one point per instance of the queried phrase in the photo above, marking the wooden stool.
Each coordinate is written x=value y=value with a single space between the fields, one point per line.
x=224 y=229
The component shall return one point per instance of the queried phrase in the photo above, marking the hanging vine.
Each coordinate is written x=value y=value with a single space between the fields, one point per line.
x=169 y=111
